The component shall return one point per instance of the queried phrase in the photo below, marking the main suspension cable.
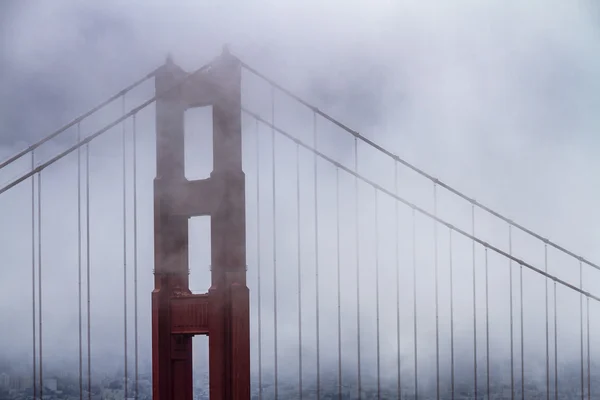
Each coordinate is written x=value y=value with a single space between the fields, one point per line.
x=422 y=211
x=419 y=171
x=77 y=120
x=93 y=136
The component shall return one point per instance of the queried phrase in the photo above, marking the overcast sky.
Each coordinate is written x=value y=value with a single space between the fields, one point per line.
x=496 y=98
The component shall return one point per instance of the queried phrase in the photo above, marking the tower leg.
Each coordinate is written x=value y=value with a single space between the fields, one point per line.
x=171 y=354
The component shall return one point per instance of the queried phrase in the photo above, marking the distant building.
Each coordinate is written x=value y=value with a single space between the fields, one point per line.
x=20 y=382
x=113 y=394
x=4 y=381
x=51 y=384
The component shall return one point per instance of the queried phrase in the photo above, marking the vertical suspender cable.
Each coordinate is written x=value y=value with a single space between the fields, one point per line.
x=317 y=260
x=414 y=256
x=39 y=205
x=487 y=324
x=124 y=251
x=396 y=223
x=474 y=305
x=339 y=284
x=451 y=316
x=522 y=336
x=377 y=295
x=555 y=346
x=547 y=328
x=79 y=263
x=299 y=273
x=33 y=307
x=276 y=367
x=512 y=352
x=135 y=255
x=589 y=377
x=437 y=302
x=581 y=325
x=357 y=247
x=258 y=248
x=88 y=266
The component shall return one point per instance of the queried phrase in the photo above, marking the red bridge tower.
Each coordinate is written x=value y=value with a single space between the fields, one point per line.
x=223 y=312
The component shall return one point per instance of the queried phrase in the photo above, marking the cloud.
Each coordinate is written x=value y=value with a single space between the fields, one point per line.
x=496 y=98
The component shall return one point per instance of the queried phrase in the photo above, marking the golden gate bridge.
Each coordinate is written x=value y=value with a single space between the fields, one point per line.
x=368 y=277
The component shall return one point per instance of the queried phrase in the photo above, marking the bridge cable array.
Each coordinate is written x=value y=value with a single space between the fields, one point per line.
x=474 y=239
x=413 y=167
x=420 y=210
x=78 y=120
x=36 y=212
x=36 y=231
x=93 y=136
x=487 y=246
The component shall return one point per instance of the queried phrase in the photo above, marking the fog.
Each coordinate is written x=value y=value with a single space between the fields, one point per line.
x=497 y=99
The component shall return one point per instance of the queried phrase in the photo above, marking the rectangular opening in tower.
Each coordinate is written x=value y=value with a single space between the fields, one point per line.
x=199 y=254
x=198 y=128
x=200 y=367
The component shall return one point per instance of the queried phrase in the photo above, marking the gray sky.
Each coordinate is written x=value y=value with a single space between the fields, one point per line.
x=498 y=99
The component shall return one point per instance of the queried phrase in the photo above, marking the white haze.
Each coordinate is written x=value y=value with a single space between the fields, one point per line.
x=498 y=99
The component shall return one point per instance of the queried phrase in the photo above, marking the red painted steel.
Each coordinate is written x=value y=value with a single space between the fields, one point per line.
x=189 y=315
x=222 y=313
